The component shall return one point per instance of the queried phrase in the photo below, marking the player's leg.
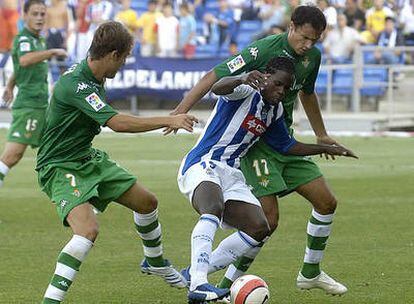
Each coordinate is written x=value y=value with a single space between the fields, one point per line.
x=319 y=227
x=12 y=154
x=262 y=171
x=144 y=204
x=84 y=225
x=241 y=265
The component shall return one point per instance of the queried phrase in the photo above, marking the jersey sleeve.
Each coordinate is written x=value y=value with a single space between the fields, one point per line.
x=23 y=45
x=309 y=85
x=250 y=58
x=240 y=92
x=277 y=136
x=87 y=100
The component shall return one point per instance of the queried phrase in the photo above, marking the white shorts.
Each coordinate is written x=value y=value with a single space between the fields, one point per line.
x=231 y=181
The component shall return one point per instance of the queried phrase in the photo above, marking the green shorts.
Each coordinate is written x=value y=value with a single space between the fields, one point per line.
x=96 y=179
x=269 y=172
x=27 y=126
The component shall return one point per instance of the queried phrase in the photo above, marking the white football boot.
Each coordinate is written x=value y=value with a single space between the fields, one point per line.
x=322 y=281
x=168 y=273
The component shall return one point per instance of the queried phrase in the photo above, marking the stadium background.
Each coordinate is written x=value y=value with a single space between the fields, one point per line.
x=366 y=103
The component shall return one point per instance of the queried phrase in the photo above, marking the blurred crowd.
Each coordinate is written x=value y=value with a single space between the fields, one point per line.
x=177 y=28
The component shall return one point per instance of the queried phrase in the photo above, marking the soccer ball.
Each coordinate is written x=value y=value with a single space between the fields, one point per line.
x=249 y=289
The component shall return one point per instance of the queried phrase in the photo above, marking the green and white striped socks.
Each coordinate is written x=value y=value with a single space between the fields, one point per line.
x=4 y=169
x=319 y=229
x=68 y=264
x=149 y=229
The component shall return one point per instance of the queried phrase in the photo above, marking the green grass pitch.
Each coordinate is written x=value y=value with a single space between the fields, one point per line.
x=371 y=249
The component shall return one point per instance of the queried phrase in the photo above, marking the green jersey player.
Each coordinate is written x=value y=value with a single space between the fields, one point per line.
x=78 y=178
x=272 y=174
x=29 y=56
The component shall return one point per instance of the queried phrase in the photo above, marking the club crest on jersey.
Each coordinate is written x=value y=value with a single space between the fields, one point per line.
x=236 y=63
x=254 y=52
x=95 y=102
x=254 y=125
x=305 y=62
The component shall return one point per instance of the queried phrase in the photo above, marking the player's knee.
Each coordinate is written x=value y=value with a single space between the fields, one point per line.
x=90 y=231
x=259 y=230
x=329 y=206
x=150 y=204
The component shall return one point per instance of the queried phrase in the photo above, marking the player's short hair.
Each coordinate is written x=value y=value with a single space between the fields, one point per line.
x=29 y=3
x=280 y=64
x=110 y=36
x=309 y=14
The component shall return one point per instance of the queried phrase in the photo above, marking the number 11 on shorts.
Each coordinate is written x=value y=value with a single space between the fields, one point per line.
x=257 y=164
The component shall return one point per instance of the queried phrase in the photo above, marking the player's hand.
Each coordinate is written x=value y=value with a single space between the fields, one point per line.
x=59 y=53
x=327 y=140
x=169 y=130
x=255 y=79
x=340 y=151
x=8 y=95
x=183 y=121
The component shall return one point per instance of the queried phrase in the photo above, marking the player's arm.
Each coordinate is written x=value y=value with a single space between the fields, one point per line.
x=39 y=56
x=227 y=85
x=279 y=139
x=133 y=124
x=8 y=90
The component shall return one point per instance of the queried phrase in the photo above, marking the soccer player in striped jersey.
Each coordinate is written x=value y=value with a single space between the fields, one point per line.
x=209 y=175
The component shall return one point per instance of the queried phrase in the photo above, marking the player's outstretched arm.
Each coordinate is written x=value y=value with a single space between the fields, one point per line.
x=39 y=56
x=302 y=149
x=133 y=124
x=226 y=85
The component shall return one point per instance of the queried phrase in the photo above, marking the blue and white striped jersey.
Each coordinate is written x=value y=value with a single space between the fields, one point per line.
x=236 y=123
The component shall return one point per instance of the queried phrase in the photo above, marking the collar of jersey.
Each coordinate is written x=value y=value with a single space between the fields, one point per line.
x=86 y=70
x=26 y=31
x=287 y=46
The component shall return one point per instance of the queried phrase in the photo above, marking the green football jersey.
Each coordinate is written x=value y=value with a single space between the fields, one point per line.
x=31 y=80
x=75 y=115
x=257 y=55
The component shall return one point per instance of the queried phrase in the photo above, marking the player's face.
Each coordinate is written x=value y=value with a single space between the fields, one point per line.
x=115 y=62
x=35 y=18
x=303 y=38
x=277 y=86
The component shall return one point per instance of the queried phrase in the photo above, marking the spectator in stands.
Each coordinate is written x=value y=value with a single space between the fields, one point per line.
x=340 y=42
x=375 y=21
x=223 y=21
x=187 y=32
x=127 y=16
x=97 y=12
x=82 y=29
x=407 y=22
x=272 y=13
x=389 y=37
x=354 y=15
x=329 y=12
x=273 y=30
x=148 y=36
x=57 y=27
x=290 y=7
x=167 y=26
x=9 y=17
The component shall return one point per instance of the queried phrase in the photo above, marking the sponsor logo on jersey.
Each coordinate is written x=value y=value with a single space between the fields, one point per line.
x=306 y=62
x=24 y=47
x=81 y=86
x=254 y=52
x=236 y=63
x=63 y=283
x=95 y=102
x=254 y=125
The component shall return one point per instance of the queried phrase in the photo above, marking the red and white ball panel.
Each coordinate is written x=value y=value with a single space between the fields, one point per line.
x=249 y=289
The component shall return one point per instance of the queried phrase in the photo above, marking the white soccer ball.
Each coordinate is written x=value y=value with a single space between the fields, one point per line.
x=249 y=289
